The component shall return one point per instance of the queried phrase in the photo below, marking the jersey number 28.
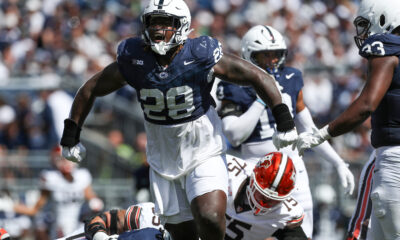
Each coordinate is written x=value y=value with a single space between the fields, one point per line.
x=169 y=101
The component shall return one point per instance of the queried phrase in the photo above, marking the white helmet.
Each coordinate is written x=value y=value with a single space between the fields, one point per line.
x=263 y=38
x=167 y=8
x=376 y=16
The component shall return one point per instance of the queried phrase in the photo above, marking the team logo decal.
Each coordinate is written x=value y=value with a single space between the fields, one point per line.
x=266 y=161
x=163 y=75
x=137 y=62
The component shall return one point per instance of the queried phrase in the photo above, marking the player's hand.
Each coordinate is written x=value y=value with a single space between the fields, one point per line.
x=284 y=139
x=312 y=139
x=104 y=236
x=346 y=178
x=75 y=154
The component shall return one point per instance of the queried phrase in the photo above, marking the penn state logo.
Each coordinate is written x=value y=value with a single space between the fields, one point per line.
x=163 y=75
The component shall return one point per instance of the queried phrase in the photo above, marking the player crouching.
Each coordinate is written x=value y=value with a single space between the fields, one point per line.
x=260 y=203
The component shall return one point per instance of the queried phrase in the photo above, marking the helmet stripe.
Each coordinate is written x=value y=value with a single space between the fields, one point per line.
x=160 y=4
x=281 y=171
x=270 y=33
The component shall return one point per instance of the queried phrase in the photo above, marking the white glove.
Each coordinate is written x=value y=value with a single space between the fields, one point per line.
x=283 y=139
x=104 y=236
x=309 y=140
x=6 y=204
x=346 y=178
x=75 y=154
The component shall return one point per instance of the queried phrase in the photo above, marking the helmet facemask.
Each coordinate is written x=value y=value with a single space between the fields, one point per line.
x=363 y=26
x=151 y=35
x=269 y=59
x=259 y=203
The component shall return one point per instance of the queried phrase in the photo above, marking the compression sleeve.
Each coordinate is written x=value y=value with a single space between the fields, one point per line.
x=304 y=122
x=238 y=129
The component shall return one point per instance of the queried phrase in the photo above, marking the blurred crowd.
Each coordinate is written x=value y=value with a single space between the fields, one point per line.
x=46 y=45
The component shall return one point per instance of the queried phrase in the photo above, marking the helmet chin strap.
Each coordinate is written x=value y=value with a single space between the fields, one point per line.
x=161 y=48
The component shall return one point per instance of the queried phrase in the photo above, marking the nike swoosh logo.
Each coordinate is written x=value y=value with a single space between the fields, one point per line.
x=188 y=62
x=289 y=76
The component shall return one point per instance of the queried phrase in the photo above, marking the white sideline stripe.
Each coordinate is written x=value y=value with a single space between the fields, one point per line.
x=280 y=173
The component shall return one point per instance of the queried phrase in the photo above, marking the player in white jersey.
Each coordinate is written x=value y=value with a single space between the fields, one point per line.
x=248 y=123
x=173 y=76
x=110 y=224
x=259 y=199
x=67 y=187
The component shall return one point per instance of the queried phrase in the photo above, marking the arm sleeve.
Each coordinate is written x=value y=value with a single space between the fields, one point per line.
x=304 y=123
x=238 y=129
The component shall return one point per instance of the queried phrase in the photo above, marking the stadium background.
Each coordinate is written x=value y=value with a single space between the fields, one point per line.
x=50 y=47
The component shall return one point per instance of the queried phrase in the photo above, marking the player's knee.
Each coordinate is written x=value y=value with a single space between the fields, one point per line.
x=212 y=221
x=378 y=204
x=212 y=217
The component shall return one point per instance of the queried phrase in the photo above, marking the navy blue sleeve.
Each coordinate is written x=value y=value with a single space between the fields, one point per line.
x=299 y=81
x=207 y=50
x=128 y=48
x=243 y=96
x=381 y=45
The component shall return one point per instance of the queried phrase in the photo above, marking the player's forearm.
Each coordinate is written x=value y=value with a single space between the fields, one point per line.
x=236 y=70
x=356 y=114
x=83 y=103
x=238 y=129
x=25 y=210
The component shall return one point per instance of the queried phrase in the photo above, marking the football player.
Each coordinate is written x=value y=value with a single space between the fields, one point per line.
x=114 y=223
x=67 y=187
x=248 y=123
x=378 y=38
x=173 y=76
x=260 y=204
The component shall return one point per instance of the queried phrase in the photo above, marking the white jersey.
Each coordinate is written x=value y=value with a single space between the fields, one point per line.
x=142 y=215
x=174 y=150
x=67 y=197
x=241 y=223
x=137 y=216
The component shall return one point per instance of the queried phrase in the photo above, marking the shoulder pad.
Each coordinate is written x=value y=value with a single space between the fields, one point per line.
x=206 y=49
x=381 y=45
x=129 y=48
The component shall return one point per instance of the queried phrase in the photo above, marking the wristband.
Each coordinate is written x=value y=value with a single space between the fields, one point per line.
x=283 y=118
x=71 y=133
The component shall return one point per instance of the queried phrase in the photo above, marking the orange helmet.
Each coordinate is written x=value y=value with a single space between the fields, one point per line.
x=4 y=234
x=271 y=182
